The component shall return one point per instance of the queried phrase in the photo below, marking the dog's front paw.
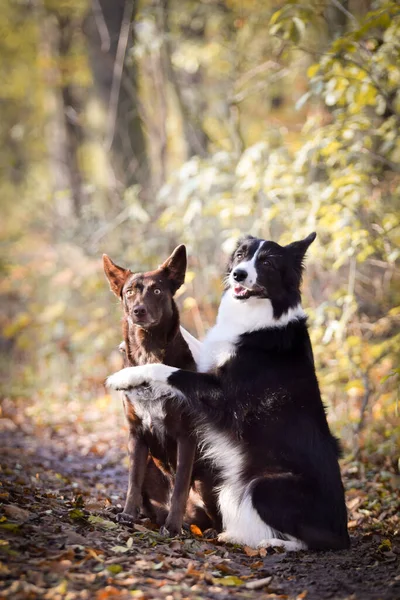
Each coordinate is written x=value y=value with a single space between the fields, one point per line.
x=127 y=519
x=126 y=379
x=170 y=531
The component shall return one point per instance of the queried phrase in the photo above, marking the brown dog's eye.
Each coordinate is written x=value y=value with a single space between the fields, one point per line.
x=129 y=293
x=157 y=291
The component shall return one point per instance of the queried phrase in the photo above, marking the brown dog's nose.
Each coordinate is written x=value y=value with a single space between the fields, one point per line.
x=139 y=311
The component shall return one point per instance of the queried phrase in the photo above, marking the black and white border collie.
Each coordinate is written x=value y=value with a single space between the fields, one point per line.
x=263 y=422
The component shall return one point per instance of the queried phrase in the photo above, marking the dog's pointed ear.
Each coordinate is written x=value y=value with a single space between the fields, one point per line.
x=116 y=275
x=299 y=249
x=175 y=267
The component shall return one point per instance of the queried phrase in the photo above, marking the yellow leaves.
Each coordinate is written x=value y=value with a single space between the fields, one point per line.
x=313 y=70
x=228 y=581
x=21 y=322
x=330 y=148
x=355 y=388
x=52 y=312
x=103 y=523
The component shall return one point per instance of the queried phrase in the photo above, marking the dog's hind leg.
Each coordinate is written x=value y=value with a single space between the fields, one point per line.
x=185 y=457
x=299 y=511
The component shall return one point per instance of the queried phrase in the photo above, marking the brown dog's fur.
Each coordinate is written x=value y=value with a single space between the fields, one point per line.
x=152 y=335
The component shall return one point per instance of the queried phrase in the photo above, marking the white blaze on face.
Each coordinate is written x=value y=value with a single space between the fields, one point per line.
x=250 y=267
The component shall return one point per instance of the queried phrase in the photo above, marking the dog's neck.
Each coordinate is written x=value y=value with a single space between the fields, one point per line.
x=150 y=345
x=242 y=316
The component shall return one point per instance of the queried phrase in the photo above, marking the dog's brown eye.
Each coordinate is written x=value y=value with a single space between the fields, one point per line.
x=157 y=291
x=239 y=255
x=267 y=263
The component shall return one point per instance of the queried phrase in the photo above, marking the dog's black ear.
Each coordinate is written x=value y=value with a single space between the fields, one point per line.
x=116 y=275
x=242 y=240
x=299 y=249
x=175 y=267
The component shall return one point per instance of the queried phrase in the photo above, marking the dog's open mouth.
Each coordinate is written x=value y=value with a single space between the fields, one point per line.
x=241 y=292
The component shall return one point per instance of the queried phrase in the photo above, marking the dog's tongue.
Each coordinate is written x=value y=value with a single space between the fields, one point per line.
x=239 y=289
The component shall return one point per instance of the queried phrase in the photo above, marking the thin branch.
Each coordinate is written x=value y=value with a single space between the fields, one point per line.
x=344 y=10
x=265 y=66
x=118 y=70
x=101 y=26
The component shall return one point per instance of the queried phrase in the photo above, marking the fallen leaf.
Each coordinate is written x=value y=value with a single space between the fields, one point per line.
x=13 y=527
x=257 y=564
x=16 y=513
x=196 y=530
x=119 y=549
x=76 y=513
x=104 y=523
x=250 y=551
x=109 y=592
x=385 y=546
x=229 y=581
x=352 y=524
x=140 y=528
x=224 y=568
x=115 y=569
x=258 y=583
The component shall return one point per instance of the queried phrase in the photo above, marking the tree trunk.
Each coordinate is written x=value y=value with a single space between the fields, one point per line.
x=72 y=116
x=110 y=35
x=195 y=137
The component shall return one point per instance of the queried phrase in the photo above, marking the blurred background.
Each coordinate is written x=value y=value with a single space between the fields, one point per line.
x=128 y=127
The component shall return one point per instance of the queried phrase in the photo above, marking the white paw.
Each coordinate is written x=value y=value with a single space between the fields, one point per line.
x=288 y=545
x=126 y=378
x=227 y=538
x=134 y=376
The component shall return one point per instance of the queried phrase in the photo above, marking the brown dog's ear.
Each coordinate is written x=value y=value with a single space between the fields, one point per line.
x=175 y=267
x=116 y=275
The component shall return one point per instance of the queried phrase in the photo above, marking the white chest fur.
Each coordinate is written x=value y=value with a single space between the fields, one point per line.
x=236 y=317
x=149 y=409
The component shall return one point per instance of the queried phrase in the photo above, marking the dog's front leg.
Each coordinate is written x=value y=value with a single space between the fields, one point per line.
x=197 y=390
x=138 y=452
x=186 y=448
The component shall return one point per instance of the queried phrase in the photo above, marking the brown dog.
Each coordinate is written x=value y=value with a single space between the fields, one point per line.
x=159 y=426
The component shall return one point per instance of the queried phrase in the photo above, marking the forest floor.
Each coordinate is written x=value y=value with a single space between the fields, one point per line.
x=58 y=539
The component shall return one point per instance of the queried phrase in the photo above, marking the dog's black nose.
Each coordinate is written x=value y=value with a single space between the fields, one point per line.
x=139 y=311
x=239 y=274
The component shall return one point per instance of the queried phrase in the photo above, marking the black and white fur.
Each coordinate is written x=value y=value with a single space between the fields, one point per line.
x=264 y=424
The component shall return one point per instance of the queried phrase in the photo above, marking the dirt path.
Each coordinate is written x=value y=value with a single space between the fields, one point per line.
x=58 y=539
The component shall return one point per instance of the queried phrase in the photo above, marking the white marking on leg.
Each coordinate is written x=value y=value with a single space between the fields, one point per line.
x=241 y=522
x=290 y=545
